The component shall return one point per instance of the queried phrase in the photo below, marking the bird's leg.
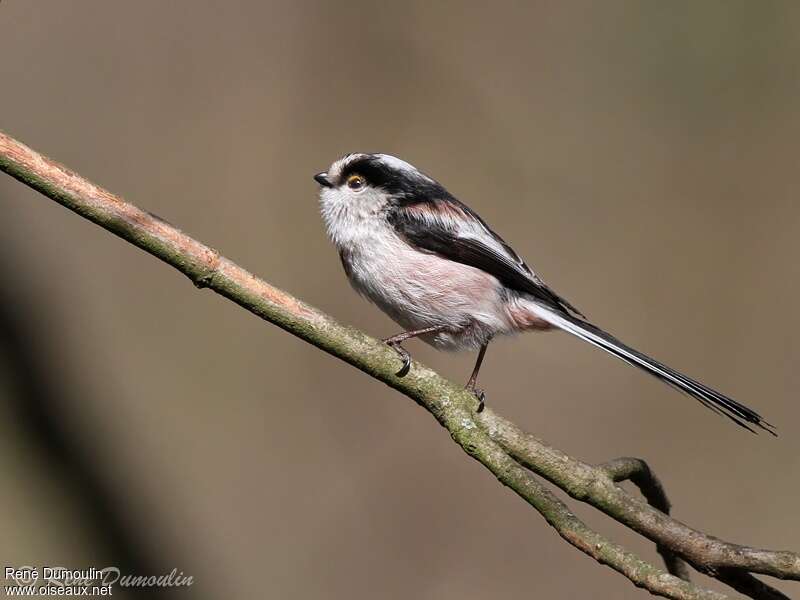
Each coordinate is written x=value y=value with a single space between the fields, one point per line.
x=473 y=379
x=395 y=341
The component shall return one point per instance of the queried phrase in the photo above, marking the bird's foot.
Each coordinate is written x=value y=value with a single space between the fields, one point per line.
x=479 y=394
x=404 y=356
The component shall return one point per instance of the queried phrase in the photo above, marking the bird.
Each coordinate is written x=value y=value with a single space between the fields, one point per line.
x=435 y=267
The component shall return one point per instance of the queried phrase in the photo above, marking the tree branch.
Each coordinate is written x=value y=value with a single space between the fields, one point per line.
x=638 y=473
x=509 y=453
x=749 y=585
x=596 y=486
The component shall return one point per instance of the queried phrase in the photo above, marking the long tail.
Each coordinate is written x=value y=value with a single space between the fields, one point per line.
x=719 y=403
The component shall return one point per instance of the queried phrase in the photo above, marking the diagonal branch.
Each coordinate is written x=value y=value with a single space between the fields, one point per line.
x=510 y=454
x=595 y=485
x=639 y=473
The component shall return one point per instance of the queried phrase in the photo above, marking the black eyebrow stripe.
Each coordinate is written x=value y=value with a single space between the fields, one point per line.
x=371 y=169
x=402 y=185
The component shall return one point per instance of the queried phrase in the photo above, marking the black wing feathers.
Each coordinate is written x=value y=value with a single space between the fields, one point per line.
x=435 y=226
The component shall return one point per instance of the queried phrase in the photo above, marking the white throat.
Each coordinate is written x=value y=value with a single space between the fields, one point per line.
x=351 y=218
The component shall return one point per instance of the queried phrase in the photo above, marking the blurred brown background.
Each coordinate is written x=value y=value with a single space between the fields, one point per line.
x=643 y=156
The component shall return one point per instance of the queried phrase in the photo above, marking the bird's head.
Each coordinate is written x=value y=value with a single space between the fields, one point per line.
x=358 y=188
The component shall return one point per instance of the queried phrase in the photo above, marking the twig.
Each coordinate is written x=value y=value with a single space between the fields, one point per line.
x=638 y=473
x=596 y=486
x=748 y=585
x=497 y=444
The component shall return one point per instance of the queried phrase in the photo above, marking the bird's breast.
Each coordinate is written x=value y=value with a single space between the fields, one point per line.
x=419 y=289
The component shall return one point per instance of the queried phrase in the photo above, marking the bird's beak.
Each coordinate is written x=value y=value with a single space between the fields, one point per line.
x=322 y=179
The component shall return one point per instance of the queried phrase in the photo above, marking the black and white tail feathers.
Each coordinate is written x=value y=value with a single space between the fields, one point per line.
x=719 y=403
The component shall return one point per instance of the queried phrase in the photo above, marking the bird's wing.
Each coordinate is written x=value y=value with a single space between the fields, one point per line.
x=450 y=229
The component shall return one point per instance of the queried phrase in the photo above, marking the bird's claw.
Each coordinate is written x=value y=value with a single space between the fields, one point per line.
x=404 y=355
x=480 y=395
x=406 y=365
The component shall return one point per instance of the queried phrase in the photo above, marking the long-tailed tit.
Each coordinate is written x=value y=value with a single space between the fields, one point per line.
x=438 y=270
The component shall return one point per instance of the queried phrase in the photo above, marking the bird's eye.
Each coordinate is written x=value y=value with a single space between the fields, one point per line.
x=356 y=183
